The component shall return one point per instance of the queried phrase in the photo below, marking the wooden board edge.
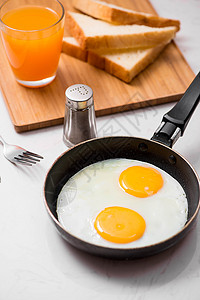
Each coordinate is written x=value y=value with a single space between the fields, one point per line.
x=184 y=59
x=34 y=126
x=7 y=104
x=103 y=112
x=138 y=105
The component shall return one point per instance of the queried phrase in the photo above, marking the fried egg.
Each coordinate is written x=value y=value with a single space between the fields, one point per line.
x=122 y=203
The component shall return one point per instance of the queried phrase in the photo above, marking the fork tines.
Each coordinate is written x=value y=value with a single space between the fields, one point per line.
x=28 y=158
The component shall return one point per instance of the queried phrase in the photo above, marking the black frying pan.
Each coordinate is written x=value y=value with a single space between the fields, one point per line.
x=156 y=151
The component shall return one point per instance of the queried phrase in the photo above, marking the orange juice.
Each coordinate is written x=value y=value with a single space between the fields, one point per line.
x=34 y=44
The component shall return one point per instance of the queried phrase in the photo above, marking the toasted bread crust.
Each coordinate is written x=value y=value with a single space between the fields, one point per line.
x=104 y=63
x=73 y=50
x=127 y=75
x=93 y=9
x=75 y=30
x=118 y=15
x=101 y=48
x=117 y=41
x=96 y=60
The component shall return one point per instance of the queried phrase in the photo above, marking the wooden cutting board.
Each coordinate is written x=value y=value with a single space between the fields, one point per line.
x=163 y=81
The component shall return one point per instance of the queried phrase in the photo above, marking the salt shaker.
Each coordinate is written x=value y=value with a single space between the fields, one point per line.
x=79 y=121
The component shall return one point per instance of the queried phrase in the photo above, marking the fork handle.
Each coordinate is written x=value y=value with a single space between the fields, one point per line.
x=2 y=140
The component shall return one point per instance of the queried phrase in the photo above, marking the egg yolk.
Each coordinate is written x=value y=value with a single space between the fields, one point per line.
x=141 y=181
x=119 y=224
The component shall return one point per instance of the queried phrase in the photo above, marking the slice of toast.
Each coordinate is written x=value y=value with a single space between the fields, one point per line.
x=116 y=14
x=71 y=47
x=96 y=34
x=124 y=64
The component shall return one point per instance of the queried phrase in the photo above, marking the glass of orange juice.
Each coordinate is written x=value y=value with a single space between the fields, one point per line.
x=32 y=32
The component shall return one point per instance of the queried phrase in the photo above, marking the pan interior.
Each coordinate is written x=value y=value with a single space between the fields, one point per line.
x=96 y=150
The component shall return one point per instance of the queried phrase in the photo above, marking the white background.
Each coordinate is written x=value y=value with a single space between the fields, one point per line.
x=36 y=263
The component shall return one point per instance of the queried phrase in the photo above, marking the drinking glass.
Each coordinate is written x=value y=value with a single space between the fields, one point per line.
x=32 y=32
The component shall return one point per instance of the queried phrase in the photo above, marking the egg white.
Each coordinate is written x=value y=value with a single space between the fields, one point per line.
x=97 y=186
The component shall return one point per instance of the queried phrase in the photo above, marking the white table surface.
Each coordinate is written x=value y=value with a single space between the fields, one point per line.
x=36 y=263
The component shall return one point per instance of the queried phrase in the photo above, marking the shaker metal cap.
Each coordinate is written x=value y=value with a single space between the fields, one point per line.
x=79 y=96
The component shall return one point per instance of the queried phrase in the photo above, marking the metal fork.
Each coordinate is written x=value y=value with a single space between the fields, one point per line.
x=19 y=155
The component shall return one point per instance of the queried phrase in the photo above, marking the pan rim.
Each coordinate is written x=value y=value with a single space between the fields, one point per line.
x=119 y=248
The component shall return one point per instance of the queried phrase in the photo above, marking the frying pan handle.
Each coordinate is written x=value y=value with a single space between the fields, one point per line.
x=175 y=121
